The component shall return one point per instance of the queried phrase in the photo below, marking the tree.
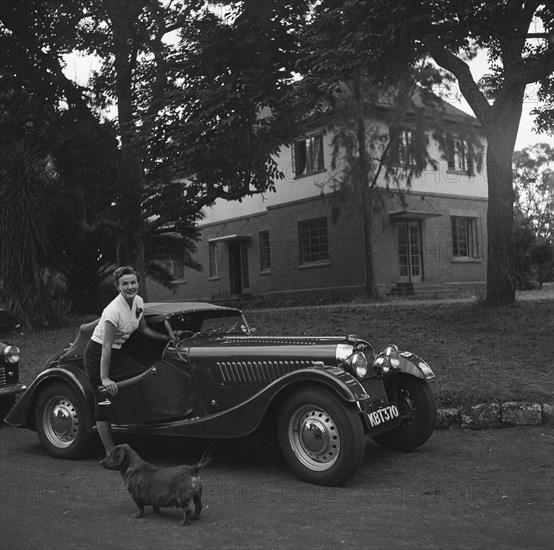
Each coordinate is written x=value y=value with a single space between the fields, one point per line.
x=365 y=155
x=534 y=185
x=188 y=122
x=24 y=186
x=393 y=34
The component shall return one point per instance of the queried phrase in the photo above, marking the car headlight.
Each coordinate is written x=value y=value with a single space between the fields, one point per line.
x=387 y=360
x=359 y=364
x=11 y=354
x=343 y=353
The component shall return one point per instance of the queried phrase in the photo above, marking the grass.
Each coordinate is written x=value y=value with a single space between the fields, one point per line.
x=478 y=354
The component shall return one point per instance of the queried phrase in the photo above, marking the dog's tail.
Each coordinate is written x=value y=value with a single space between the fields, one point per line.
x=204 y=461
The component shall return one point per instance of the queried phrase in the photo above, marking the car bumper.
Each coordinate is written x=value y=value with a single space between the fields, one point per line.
x=12 y=389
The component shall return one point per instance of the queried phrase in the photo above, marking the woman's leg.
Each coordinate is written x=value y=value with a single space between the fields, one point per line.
x=105 y=432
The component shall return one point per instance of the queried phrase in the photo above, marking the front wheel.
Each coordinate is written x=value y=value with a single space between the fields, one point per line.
x=60 y=421
x=418 y=411
x=321 y=436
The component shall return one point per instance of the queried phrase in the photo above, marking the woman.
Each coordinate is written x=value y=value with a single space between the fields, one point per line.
x=105 y=362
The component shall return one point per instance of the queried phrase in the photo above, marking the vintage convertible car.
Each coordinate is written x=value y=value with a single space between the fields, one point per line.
x=217 y=379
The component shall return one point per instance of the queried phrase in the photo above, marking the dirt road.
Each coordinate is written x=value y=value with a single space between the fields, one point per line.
x=482 y=489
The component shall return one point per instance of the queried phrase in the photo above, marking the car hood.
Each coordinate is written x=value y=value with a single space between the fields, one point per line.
x=308 y=348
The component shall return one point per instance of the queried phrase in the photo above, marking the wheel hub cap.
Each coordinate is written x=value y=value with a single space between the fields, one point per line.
x=62 y=419
x=315 y=436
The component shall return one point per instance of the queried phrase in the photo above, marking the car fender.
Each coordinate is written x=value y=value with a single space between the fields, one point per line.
x=414 y=365
x=22 y=413
x=244 y=418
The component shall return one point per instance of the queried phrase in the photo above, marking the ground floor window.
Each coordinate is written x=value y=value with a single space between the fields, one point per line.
x=465 y=242
x=213 y=267
x=313 y=241
x=265 y=256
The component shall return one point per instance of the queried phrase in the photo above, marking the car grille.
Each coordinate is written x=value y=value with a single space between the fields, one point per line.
x=375 y=388
x=258 y=371
x=2 y=376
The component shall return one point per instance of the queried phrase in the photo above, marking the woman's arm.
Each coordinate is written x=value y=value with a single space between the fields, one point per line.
x=107 y=382
x=147 y=331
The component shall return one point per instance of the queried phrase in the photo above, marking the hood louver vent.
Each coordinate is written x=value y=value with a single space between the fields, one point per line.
x=248 y=372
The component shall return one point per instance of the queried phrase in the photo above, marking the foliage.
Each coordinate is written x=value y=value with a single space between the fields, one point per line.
x=25 y=182
x=189 y=82
x=534 y=185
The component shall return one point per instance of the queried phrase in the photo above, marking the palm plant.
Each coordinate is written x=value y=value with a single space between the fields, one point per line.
x=24 y=183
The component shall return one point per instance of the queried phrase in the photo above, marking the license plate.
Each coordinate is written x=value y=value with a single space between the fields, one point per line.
x=381 y=416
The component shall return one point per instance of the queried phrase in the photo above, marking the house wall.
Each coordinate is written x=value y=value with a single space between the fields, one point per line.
x=345 y=269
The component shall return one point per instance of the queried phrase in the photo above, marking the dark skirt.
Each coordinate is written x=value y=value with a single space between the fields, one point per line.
x=121 y=367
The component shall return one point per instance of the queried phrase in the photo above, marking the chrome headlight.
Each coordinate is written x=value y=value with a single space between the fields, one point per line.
x=11 y=354
x=343 y=353
x=388 y=359
x=359 y=364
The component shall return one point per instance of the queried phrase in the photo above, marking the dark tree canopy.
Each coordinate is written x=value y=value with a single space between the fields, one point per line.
x=189 y=81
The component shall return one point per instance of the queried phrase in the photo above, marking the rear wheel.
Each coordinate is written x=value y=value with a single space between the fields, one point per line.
x=60 y=421
x=418 y=409
x=321 y=436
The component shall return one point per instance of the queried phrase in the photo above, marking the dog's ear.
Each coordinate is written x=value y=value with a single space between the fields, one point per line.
x=123 y=455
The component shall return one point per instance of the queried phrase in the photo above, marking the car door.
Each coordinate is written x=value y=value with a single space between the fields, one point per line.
x=163 y=396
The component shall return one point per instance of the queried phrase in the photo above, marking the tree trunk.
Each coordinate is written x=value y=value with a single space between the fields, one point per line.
x=370 y=281
x=501 y=133
x=130 y=245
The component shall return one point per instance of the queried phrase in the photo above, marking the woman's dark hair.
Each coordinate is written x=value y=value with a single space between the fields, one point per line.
x=124 y=270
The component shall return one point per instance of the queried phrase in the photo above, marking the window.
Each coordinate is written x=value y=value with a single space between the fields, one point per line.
x=458 y=155
x=312 y=239
x=265 y=257
x=465 y=243
x=401 y=147
x=307 y=155
x=244 y=267
x=212 y=253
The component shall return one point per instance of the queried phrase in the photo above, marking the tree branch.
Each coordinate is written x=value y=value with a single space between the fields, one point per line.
x=460 y=69
x=525 y=71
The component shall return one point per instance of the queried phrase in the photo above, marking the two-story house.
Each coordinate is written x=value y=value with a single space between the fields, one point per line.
x=288 y=241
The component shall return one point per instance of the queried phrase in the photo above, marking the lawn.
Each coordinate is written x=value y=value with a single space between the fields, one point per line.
x=478 y=354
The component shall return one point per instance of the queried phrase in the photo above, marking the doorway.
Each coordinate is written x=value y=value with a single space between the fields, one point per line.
x=238 y=268
x=409 y=251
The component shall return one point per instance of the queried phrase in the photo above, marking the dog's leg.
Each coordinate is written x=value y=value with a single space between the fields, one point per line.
x=186 y=516
x=197 y=499
x=140 y=511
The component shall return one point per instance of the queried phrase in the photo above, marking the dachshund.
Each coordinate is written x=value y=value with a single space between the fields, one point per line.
x=149 y=485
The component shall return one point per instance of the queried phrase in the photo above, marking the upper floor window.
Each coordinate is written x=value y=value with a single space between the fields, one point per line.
x=465 y=241
x=212 y=260
x=307 y=155
x=313 y=241
x=458 y=155
x=265 y=257
x=402 y=148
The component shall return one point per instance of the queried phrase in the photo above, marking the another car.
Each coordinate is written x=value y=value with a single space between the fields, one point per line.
x=9 y=377
x=218 y=379
x=8 y=320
